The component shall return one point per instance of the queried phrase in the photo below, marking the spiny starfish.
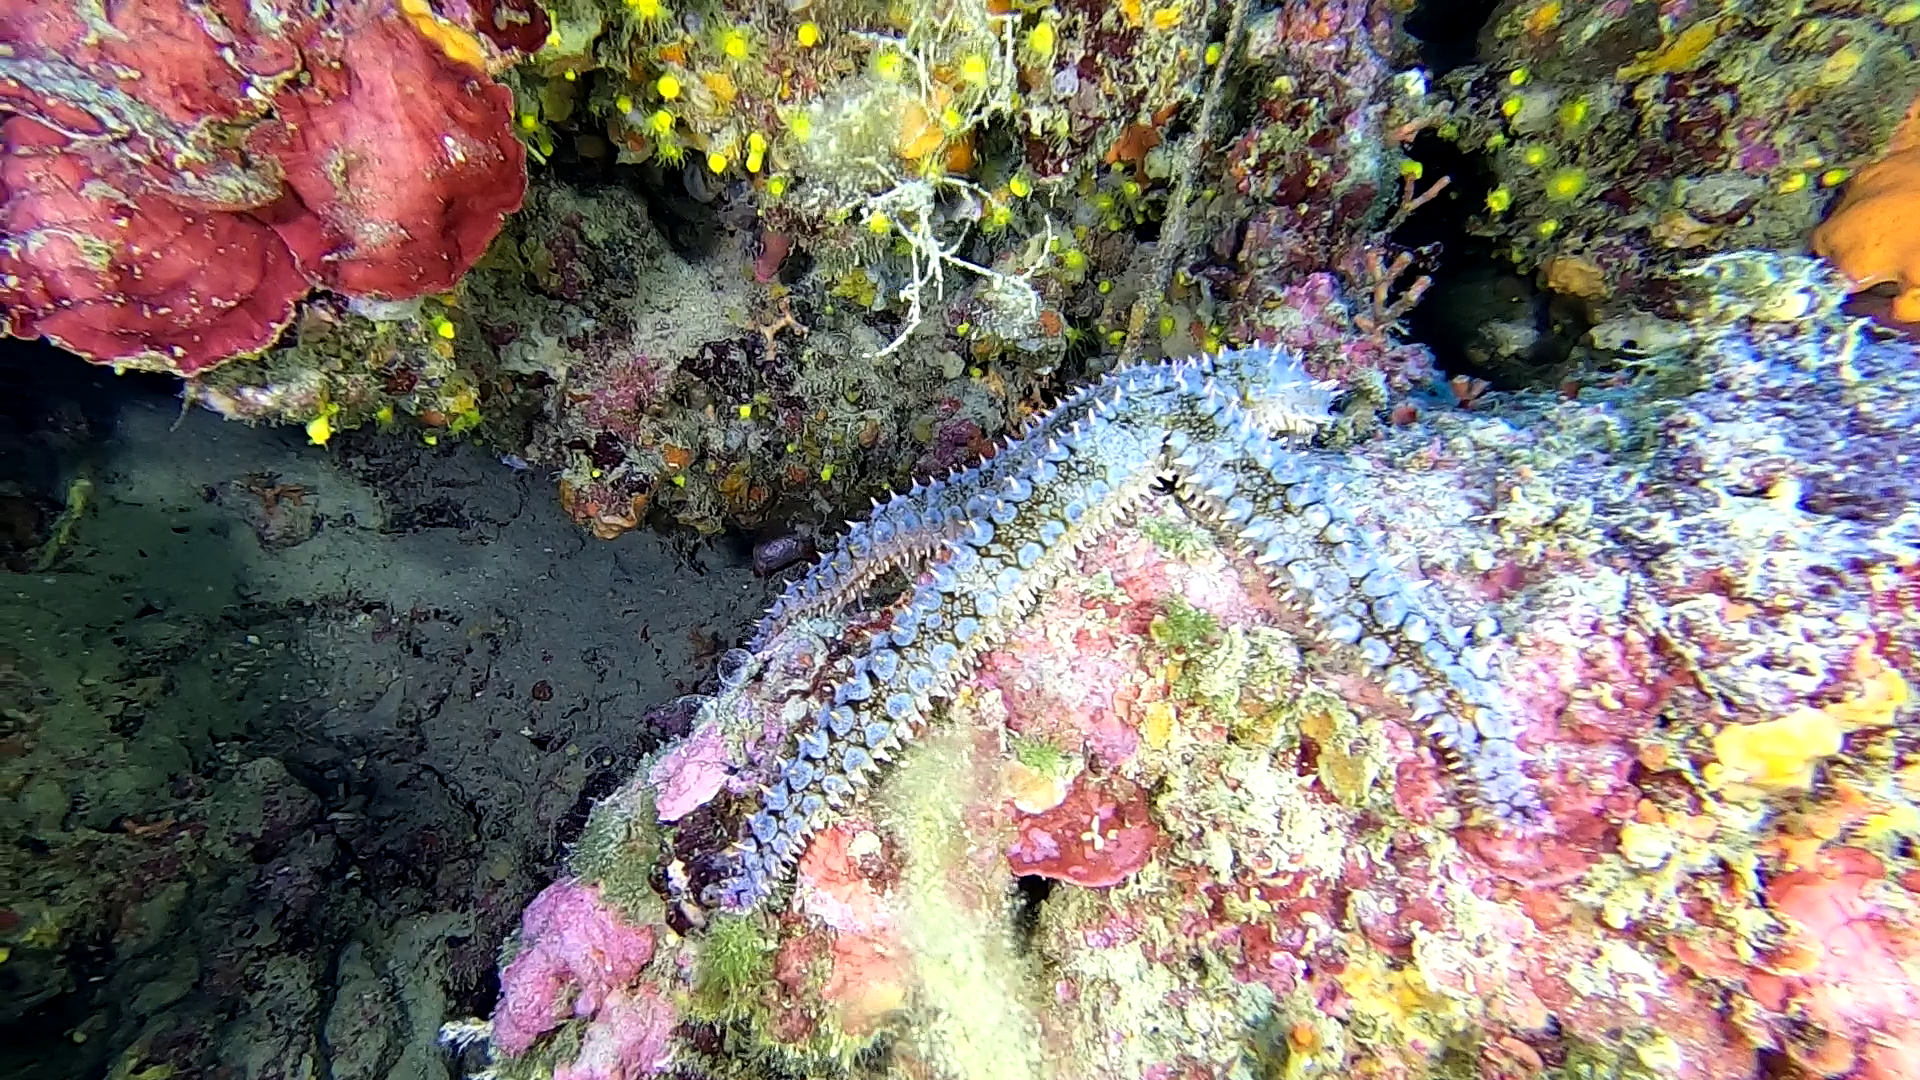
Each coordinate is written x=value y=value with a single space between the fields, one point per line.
x=1230 y=431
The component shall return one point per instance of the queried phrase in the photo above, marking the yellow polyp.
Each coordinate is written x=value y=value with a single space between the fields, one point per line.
x=1510 y=107
x=808 y=35
x=668 y=85
x=1776 y=755
x=455 y=42
x=745 y=412
x=1792 y=183
x=1677 y=55
x=1213 y=54
x=661 y=122
x=1904 y=14
x=974 y=69
x=1166 y=18
x=1574 y=113
x=320 y=428
x=735 y=45
x=1842 y=66
x=1397 y=1000
x=648 y=10
x=1041 y=40
x=1566 y=183
x=1900 y=820
x=1499 y=199
x=1883 y=691
x=444 y=328
x=1157 y=727
x=1518 y=77
x=1412 y=169
x=1535 y=155
x=1020 y=187
x=1544 y=17
x=890 y=66
x=716 y=162
x=919 y=134
x=826 y=473
x=1646 y=846
x=720 y=85
x=623 y=104
x=1833 y=178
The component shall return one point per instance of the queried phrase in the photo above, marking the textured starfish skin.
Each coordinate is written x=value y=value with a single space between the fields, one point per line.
x=996 y=536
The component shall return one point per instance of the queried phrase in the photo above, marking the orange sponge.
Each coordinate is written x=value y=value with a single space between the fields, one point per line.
x=1873 y=235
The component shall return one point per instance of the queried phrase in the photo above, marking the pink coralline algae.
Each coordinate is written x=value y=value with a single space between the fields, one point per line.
x=1847 y=967
x=577 y=957
x=690 y=774
x=629 y=1038
x=1099 y=836
x=175 y=177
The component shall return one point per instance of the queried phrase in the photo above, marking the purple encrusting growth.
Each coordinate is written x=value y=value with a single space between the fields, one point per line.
x=994 y=538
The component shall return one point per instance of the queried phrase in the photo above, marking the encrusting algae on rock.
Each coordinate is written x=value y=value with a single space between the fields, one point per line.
x=1168 y=796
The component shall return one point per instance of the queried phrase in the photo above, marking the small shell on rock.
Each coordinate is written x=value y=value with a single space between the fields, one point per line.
x=775 y=555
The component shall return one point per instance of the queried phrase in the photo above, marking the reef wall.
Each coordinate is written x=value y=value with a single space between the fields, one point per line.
x=1573 y=737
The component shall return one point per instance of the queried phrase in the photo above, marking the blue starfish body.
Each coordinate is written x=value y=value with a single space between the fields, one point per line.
x=996 y=536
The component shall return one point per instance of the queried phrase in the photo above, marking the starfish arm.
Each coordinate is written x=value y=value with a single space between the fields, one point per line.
x=1287 y=510
x=1080 y=479
x=910 y=528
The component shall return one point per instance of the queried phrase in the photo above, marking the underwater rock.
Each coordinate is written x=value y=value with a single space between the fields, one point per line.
x=1324 y=886
x=1636 y=138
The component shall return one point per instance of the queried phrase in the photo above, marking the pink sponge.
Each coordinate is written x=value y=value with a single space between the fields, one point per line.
x=629 y=1038
x=576 y=956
